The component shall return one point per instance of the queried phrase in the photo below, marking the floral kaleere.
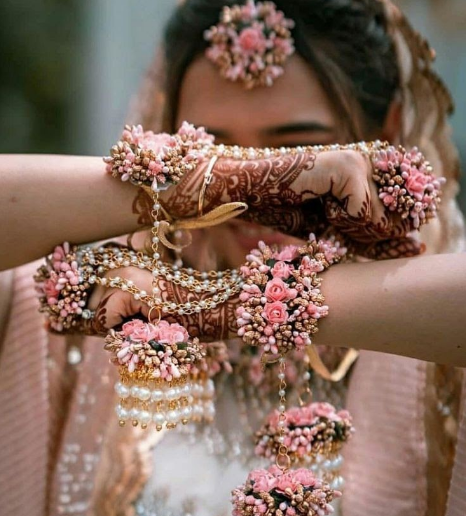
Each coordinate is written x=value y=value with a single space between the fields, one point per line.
x=158 y=382
x=277 y=493
x=157 y=160
x=406 y=183
x=251 y=43
x=314 y=435
x=281 y=297
x=63 y=291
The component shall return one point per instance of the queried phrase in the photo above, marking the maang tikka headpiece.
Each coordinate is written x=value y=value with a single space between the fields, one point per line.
x=251 y=43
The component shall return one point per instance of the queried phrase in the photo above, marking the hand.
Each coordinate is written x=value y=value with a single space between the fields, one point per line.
x=332 y=192
x=113 y=307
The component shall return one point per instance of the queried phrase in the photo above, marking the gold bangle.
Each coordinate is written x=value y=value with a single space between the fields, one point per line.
x=207 y=180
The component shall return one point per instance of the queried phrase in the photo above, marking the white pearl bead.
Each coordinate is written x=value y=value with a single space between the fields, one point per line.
x=144 y=394
x=209 y=411
x=170 y=395
x=122 y=390
x=157 y=395
x=121 y=413
x=327 y=464
x=134 y=414
x=135 y=391
x=173 y=416
x=145 y=417
x=209 y=389
x=159 y=418
x=186 y=412
x=186 y=389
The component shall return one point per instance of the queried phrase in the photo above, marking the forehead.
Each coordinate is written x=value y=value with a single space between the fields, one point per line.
x=208 y=99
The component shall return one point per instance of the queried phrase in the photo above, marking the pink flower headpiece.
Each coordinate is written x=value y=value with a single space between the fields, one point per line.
x=251 y=43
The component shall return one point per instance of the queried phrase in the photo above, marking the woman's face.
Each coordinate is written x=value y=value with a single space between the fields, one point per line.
x=294 y=111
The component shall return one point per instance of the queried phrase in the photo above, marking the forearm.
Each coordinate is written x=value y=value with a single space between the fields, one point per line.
x=46 y=199
x=412 y=307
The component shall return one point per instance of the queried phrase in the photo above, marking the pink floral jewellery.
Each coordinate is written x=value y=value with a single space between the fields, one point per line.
x=164 y=372
x=281 y=303
x=251 y=43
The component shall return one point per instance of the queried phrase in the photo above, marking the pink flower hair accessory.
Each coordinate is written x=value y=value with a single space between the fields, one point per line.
x=281 y=300
x=157 y=161
x=273 y=492
x=161 y=374
x=251 y=43
x=406 y=183
x=63 y=291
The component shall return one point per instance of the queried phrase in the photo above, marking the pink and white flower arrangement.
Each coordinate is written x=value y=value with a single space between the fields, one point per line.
x=61 y=289
x=251 y=43
x=160 y=351
x=317 y=428
x=274 y=492
x=281 y=299
x=156 y=160
x=407 y=184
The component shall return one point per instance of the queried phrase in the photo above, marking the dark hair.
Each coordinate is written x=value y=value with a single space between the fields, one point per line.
x=345 y=41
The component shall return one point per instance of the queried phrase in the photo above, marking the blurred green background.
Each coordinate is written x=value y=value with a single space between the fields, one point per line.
x=71 y=67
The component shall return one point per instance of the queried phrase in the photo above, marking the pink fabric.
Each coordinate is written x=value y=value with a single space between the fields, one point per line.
x=385 y=462
x=457 y=496
x=25 y=423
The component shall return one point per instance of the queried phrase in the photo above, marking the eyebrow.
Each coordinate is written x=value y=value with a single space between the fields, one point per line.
x=299 y=127
x=282 y=130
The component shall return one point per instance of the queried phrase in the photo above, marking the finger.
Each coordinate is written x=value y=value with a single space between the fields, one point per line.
x=379 y=214
x=114 y=307
x=350 y=185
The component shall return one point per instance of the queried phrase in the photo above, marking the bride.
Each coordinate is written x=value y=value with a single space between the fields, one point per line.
x=359 y=73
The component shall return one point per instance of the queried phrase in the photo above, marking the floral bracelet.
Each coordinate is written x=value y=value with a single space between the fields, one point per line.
x=281 y=300
x=404 y=178
x=63 y=290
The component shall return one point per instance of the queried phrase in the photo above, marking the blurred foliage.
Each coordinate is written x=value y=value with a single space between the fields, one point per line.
x=38 y=48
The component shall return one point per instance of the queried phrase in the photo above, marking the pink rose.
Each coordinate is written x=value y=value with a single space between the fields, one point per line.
x=281 y=270
x=309 y=265
x=276 y=313
x=167 y=333
x=276 y=290
x=144 y=333
x=129 y=327
x=252 y=39
x=304 y=477
x=416 y=183
x=324 y=409
x=50 y=289
x=287 y=481
x=287 y=254
x=263 y=480
x=344 y=414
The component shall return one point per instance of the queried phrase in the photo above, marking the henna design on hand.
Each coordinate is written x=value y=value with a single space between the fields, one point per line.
x=278 y=195
x=142 y=206
x=98 y=324
x=209 y=325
